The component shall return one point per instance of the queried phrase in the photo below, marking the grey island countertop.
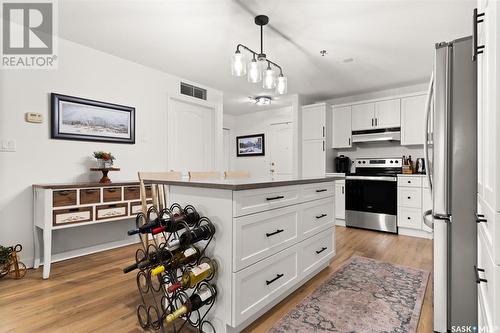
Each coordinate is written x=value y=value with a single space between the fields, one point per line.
x=244 y=184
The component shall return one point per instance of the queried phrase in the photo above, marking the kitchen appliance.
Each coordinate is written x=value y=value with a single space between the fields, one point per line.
x=342 y=164
x=451 y=155
x=420 y=166
x=371 y=194
x=376 y=135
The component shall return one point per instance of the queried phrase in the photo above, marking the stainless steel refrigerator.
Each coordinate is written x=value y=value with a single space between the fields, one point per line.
x=451 y=153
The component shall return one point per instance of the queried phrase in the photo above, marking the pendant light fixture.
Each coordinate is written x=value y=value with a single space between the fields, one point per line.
x=260 y=68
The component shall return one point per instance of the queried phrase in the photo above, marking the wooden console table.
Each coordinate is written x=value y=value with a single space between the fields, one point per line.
x=60 y=206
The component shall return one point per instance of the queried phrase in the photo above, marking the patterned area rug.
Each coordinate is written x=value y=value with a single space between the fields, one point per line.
x=363 y=295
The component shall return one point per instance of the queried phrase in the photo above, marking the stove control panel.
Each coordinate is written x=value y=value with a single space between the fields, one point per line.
x=378 y=162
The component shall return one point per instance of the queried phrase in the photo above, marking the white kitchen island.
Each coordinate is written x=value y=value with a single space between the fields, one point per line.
x=271 y=237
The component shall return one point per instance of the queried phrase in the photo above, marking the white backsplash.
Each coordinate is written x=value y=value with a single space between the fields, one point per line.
x=385 y=149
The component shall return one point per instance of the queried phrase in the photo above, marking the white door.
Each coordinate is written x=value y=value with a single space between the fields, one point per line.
x=226 y=138
x=341 y=124
x=313 y=158
x=340 y=200
x=313 y=121
x=387 y=113
x=412 y=120
x=191 y=136
x=280 y=149
x=363 y=116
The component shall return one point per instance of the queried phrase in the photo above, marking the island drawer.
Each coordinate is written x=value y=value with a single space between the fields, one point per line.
x=72 y=215
x=317 y=191
x=258 y=285
x=111 y=211
x=131 y=192
x=136 y=206
x=112 y=194
x=90 y=196
x=63 y=198
x=317 y=216
x=258 y=200
x=260 y=235
x=316 y=251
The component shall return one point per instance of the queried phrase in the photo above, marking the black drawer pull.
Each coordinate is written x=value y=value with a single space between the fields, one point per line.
x=269 y=234
x=322 y=190
x=278 y=276
x=321 y=216
x=480 y=218
x=275 y=198
x=73 y=210
x=322 y=249
x=409 y=182
x=112 y=206
x=409 y=218
x=409 y=198
x=478 y=279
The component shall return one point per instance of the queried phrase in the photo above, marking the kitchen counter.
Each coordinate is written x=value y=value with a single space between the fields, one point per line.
x=339 y=175
x=244 y=184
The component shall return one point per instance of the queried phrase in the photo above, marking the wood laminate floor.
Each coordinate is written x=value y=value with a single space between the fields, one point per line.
x=91 y=294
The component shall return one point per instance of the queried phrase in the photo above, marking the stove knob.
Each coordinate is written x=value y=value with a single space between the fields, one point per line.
x=397 y=161
x=392 y=161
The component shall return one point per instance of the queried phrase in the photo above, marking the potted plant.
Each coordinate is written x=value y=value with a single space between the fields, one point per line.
x=104 y=160
x=4 y=261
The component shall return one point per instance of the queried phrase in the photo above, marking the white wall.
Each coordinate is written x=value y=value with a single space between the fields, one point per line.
x=379 y=149
x=254 y=123
x=87 y=73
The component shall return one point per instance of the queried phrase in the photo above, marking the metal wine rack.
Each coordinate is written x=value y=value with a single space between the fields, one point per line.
x=156 y=301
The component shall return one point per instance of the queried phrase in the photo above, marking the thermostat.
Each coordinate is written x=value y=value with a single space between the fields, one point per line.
x=36 y=118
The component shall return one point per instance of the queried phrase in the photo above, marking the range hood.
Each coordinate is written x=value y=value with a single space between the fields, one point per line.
x=376 y=135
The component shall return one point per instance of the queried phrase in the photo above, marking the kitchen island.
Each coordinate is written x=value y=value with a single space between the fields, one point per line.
x=272 y=235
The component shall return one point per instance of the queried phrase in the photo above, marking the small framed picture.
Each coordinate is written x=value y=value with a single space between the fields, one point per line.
x=250 y=145
x=75 y=118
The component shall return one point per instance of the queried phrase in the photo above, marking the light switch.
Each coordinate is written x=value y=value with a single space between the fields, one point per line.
x=8 y=146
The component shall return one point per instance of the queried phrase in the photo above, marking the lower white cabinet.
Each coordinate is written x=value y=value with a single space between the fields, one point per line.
x=340 y=201
x=313 y=158
x=414 y=198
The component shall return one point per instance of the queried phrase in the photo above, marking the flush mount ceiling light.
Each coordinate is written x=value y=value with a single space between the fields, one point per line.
x=262 y=100
x=260 y=68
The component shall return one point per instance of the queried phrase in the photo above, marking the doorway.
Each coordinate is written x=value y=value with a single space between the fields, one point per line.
x=280 y=149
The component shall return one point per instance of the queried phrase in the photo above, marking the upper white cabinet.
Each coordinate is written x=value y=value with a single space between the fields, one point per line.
x=313 y=140
x=363 y=116
x=387 y=114
x=313 y=121
x=376 y=115
x=413 y=120
x=341 y=125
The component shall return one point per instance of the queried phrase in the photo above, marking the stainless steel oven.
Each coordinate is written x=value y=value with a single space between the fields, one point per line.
x=371 y=195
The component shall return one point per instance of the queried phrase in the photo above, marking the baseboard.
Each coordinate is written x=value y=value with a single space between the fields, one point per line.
x=84 y=251
x=340 y=223
x=414 y=233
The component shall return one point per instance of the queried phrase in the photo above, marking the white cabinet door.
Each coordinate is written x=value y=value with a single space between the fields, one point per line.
x=412 y=120
x=340 y=200
x=387 y=113
x=363 y=116
x=313 y=158
x=341 y=127
x=313 y=121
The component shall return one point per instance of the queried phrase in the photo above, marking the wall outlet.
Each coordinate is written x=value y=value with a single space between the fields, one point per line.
x=32 y=117
x=8 y=146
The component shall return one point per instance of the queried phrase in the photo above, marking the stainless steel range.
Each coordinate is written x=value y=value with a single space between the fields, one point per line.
x=371 y=194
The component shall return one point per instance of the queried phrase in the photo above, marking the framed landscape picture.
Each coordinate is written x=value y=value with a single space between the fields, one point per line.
x=75 y=118
x=250 y=145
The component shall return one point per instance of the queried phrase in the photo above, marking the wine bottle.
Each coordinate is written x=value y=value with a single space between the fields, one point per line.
x=187 y=256
x=154 y=259
x=195 y=275
x=168 y=223
x=192 y=236
x=196 y=301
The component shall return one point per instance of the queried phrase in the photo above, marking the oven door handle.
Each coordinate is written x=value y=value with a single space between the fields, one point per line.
x=385 y=179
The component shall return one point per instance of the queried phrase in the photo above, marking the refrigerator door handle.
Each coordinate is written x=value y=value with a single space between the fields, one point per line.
x=428 y=223
x=428 y=105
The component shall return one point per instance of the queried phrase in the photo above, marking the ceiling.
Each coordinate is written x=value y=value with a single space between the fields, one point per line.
x=390 y=41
